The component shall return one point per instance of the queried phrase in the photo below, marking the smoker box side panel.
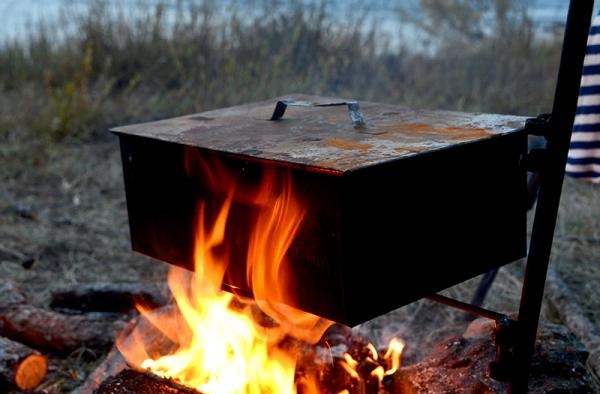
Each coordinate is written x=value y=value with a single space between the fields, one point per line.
x=160 y=201
x=420 y=225
x=316 y=254
x=163 y=199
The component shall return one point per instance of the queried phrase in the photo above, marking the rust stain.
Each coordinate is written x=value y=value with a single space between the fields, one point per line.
x=325 y=163
x=338 y=164
x=461 y=134
x=410 y=149
x=454 y=133
x=409 y=127
x=347 y=144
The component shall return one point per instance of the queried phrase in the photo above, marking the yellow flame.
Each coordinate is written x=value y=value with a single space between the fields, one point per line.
x=373 y=351
x=277 y=224
x=378 y=372
x=351 y=361
x=214 y=342
x=227 y=352
x=349 y=369
x=221 y=348
x=393 y=355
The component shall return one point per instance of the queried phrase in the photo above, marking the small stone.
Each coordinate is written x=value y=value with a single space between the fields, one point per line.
x=479 y=328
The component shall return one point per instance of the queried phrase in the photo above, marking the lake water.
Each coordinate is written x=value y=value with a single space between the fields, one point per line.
x=17 y=15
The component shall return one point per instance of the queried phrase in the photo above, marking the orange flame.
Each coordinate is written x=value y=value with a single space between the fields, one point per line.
x=391 y=360
x=219 y=347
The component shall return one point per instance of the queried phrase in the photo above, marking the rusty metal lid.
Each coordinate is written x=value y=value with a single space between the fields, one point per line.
x=325 y=133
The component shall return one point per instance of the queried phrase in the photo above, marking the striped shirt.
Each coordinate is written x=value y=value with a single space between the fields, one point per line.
x=584 y=152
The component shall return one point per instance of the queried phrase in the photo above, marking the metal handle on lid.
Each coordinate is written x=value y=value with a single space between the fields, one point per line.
x=356 y=117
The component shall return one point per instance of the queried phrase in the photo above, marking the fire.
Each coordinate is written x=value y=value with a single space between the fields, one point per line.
x=219 y=346
x=372 y=369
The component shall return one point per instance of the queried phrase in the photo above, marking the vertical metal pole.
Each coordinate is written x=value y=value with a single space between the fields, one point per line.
x=552 y=174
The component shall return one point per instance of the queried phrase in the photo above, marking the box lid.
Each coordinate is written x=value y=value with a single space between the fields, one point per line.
x=317 y=132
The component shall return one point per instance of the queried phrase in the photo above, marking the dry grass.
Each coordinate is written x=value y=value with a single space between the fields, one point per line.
x=105 y=67
x=576 y=253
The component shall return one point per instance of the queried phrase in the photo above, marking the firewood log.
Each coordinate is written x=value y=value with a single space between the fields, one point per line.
x=143 y=332
x=110 y=366
x=129 y=381
x=51 y=330
x=154 y=341
x=107 y=297
x=21 y=365
x=46 y=329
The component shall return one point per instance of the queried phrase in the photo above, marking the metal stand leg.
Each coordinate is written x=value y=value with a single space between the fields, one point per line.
x=488 y=278
x=552 y=174
x=484 y=287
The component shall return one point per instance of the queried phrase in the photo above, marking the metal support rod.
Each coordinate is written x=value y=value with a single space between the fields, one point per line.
x=463 y=306
x=552 y=174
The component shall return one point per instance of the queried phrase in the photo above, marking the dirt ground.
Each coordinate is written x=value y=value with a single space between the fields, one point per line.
x=63 y=220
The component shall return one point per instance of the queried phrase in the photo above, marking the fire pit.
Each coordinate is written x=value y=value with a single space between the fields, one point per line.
x=317 y=216
x=304 y=213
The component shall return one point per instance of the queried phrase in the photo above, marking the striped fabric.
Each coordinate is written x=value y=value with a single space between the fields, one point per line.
x=584 y=152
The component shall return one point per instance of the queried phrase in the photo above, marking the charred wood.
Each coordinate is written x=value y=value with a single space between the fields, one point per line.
x=108 y=297
x=453 y=365
x=20 y=365
x=129 y=381
x=153 y=340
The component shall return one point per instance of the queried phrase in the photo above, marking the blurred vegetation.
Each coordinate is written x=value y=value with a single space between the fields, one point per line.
x=107 y=66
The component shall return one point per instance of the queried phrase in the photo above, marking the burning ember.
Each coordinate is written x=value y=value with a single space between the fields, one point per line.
x=227 y=344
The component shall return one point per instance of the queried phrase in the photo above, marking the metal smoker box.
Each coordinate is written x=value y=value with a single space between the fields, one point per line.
x=401 y=203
